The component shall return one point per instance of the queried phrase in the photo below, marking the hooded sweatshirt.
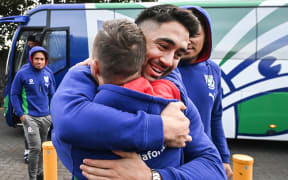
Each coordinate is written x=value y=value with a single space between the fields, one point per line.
x=138 y=94
x=202 y=80
x=85 y=127
x=130 y=101
x=32 y=88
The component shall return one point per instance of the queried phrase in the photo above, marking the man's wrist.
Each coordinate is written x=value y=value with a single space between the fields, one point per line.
x=156 y=175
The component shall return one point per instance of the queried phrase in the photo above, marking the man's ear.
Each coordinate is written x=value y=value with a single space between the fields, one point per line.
x=95 y=69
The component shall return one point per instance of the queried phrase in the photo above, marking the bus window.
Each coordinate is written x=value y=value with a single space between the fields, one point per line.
x=56 y=43
x=234 y=33
x=272 y=33
x=38 y=19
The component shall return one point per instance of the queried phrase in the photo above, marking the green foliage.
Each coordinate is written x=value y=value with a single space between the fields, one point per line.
x=11 y=8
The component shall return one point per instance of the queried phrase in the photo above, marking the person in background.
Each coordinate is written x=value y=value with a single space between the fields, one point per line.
x=31 y=42
x=31 y=92
x=202 y=80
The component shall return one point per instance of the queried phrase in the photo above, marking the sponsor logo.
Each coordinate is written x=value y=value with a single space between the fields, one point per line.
x=46 y=79
x=31 y=81
x=210 y=81
x=212 y=96
x=30 y=130
x=151 y=154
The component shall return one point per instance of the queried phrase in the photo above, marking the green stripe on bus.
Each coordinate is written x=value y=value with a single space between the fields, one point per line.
x=257 y=114
x=249 y=37
x=6 y=102
x=24 y=101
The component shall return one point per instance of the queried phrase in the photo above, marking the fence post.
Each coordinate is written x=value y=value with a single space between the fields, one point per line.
x=49 y=161
x=242 y=167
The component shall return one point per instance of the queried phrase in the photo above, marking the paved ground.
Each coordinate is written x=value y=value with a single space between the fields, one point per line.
x=12 y=166
x=271 y=158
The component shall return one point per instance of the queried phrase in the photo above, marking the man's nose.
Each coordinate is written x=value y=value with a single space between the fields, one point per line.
x=167 y=59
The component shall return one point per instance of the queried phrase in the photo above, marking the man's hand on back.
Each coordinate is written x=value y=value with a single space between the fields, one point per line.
x=129 y=167
x=86 y=62
x=175 y=125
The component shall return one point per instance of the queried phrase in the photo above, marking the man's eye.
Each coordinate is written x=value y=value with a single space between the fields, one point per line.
x=178 y=55
x=163 y=46
x=195 y=36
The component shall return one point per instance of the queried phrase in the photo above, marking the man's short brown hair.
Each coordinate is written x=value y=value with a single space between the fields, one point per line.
x=120 y=49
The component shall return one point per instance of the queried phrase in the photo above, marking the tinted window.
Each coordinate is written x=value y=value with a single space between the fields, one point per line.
x=56 y=43
x=38 y=19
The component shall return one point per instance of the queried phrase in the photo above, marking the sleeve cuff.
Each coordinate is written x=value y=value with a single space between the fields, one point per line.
x=19 y=114
x=225 y=158
x=165 y=174
x=154 y=139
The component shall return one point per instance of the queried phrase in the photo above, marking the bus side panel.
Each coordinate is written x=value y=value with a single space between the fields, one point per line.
x=264 y=115
x=252 y=54
x=269 y=116
x=234 y=41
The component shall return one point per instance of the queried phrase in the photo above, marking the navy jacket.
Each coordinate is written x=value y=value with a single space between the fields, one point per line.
x=128 y=101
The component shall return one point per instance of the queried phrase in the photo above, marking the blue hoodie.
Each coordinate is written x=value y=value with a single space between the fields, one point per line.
x=83 y=127
x=122 y=99
x=32 y=88
x=202 y=80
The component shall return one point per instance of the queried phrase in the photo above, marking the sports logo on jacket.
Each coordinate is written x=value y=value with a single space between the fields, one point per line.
x=31 y=81
x=210 y=81
x=46 y=79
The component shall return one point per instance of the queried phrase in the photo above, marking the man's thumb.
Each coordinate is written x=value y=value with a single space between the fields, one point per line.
x=181 y=105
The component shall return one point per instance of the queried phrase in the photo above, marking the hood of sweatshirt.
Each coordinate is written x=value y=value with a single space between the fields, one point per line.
x=206 y=23
x=38 y=49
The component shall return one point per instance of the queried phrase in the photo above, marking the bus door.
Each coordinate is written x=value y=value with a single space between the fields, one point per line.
x=17 y=57
x=8 y=70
